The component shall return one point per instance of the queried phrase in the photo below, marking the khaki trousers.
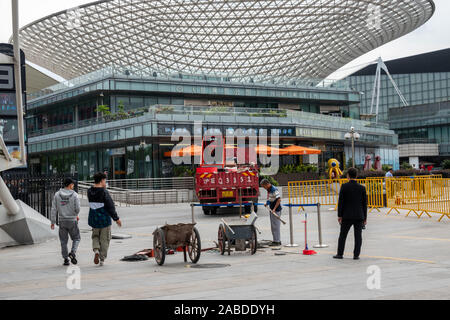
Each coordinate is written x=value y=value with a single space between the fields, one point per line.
x=100 y=241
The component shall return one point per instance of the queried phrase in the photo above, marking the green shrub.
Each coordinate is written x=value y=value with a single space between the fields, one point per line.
x=270 y=179
x=405 y=166
x=445 y=164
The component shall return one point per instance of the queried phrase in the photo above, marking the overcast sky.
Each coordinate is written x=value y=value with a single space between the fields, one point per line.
x=434 y=35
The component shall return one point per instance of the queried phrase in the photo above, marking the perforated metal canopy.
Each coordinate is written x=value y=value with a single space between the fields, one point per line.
x=243 y=39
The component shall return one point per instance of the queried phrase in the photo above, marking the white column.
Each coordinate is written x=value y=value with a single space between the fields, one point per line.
x=414 y=162
x=7 y=199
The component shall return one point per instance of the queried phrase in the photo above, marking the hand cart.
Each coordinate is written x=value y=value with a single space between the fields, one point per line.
x=238 y=235
x=177 y=237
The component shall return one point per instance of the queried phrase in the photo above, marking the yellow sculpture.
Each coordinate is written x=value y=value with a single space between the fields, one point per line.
x=333 y=169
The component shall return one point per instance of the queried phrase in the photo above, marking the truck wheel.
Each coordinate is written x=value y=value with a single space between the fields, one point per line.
x=248 y=209
x=206 y=211
x=214 y=210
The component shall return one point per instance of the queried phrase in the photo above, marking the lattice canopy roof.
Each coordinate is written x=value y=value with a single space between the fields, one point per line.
x=262 y=39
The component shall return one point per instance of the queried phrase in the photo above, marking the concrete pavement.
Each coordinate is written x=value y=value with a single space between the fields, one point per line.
x=411 y=255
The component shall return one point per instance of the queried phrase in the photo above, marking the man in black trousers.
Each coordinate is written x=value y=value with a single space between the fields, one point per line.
x=352 y=211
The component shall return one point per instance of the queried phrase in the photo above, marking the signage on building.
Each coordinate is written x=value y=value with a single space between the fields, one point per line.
x=118 y=152
x=8 y=106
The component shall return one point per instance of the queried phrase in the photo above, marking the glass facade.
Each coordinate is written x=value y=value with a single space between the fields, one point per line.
x=417 y=88
x=135 y=162
x=67 y=135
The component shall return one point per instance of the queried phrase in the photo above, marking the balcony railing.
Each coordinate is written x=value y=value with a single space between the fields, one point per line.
x=147 y=74
x=206 y=113
x=417 y=141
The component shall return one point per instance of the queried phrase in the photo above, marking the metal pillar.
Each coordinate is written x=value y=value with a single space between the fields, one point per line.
x=319 y=223
x=18 y=79
x=291 y=230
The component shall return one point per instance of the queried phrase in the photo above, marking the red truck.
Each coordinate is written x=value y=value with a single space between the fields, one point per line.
x=226 y=184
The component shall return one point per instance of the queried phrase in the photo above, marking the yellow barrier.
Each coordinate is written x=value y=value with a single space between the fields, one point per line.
x=420 y=195
x=326 y=192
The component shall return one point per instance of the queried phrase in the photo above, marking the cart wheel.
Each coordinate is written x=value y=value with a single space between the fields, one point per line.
x=248 y=209
x=206 y=211
x=159 y=246
x=253 y=242
x=221 y=240
x=195 y=246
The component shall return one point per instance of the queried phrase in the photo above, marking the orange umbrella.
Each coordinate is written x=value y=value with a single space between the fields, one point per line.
x=263 y=149
x=298 y=150
x=192 y=150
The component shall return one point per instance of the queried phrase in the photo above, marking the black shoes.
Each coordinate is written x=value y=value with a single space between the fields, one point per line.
x=73 y=258
x=275 y=244
x=66 y=262
x=341 y=257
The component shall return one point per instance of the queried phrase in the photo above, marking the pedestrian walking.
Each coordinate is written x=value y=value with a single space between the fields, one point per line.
x=389 y=173
x=274 y=203
x=352 y=211
x=65 y=210
x=101 y=211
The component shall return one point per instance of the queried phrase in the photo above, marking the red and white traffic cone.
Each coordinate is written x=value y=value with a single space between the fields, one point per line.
x=306 y=251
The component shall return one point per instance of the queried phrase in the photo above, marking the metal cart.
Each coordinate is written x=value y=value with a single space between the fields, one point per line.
x=240 y=236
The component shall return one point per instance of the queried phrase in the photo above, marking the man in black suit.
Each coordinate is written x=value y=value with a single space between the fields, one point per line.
x=352 y=211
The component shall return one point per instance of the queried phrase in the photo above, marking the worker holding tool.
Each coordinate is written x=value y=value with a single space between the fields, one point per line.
x=274 y=203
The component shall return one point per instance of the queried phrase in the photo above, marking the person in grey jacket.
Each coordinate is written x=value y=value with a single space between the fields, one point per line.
x=66 y=207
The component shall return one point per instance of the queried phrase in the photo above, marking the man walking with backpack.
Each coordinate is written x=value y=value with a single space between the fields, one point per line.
x=65 y=208
x=101 y=211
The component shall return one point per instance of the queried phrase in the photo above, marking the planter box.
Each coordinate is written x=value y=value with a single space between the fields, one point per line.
x=284 y=178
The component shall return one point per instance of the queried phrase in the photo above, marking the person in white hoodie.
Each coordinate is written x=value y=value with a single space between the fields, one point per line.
x=65 y=208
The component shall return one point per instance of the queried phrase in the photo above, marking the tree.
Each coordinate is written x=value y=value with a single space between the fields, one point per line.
x=103 y=110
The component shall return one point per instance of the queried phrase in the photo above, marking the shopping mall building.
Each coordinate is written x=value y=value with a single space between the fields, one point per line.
x=228 y=65
x=423 y=126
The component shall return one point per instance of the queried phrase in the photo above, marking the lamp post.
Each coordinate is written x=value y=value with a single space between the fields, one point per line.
x=353 y=135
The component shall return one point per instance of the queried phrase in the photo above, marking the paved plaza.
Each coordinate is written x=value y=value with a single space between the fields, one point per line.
x=411 y=255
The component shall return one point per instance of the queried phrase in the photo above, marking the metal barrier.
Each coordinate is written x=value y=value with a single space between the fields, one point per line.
x=291 y=220
x=419 y=195
x=37 y=191
x=151 y=183
x=326 y=192
x=143 y=197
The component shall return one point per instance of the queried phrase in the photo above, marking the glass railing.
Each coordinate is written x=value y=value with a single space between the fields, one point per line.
x=148 y=74
x=152 y=112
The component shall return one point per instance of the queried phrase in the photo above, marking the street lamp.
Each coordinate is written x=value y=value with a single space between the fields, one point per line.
x=353 y=135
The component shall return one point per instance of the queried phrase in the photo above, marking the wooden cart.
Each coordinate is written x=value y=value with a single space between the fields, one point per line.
x=177 y=237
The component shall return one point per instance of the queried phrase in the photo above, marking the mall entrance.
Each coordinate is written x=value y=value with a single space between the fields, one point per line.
x=118 y=167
